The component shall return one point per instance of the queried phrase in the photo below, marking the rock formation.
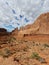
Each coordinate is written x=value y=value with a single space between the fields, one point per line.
x=15 y=31
x=40 y=26
x=3 y=32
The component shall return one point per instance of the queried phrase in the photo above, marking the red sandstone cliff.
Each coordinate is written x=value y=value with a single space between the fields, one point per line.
x=40 y=26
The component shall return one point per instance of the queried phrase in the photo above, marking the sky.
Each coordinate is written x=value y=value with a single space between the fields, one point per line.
x=18 y=13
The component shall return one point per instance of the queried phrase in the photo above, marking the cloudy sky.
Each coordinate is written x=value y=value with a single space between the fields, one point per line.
x=17 y=13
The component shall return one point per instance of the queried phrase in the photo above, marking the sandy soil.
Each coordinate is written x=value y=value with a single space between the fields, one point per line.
x=30 y=50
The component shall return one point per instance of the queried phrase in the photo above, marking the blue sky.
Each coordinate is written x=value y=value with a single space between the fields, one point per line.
x=18 y=13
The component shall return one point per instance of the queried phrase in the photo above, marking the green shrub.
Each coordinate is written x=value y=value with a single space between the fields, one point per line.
x=37 y=57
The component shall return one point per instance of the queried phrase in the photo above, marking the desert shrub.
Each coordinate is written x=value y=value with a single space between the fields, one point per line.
x=5 y=53
x=11 y=39
x=46 y=45
x=37 y=57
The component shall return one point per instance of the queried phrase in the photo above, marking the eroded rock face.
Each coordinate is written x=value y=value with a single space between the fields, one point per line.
x=15 y=31
x=43 y=24
x=40 y=26
x=3 y=32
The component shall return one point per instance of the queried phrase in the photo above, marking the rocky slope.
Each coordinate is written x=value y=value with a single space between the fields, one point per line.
x=40 y=26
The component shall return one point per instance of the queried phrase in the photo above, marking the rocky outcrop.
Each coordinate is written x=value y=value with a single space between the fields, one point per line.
x=15 y=31
x=3 y=32
x=40 y=26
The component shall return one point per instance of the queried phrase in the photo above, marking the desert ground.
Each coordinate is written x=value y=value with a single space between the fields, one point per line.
x=30 y=50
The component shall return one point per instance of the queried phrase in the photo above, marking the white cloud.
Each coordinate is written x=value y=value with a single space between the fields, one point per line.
x=29 y=9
